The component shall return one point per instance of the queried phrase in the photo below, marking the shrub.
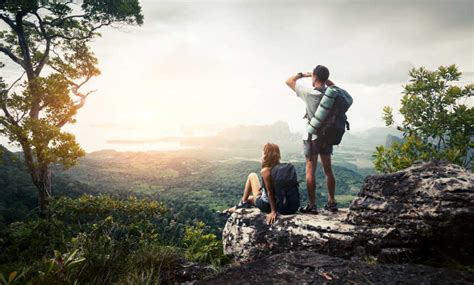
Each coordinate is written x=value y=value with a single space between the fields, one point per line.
x=437 y=122
x=100 y=240
x=202 y=247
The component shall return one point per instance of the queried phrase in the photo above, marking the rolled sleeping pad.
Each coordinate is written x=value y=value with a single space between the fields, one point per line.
x=323 y=110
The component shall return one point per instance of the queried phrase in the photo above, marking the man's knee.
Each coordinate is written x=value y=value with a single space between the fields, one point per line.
x=311 y=164
x=327 y=165
x=312 y=158
x=328 y=173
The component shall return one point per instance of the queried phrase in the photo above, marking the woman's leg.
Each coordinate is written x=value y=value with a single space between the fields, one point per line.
x=252 y=186
x=251 y=191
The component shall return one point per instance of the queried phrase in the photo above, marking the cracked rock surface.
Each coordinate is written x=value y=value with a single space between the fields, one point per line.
x=426 y=208
x=247 y=237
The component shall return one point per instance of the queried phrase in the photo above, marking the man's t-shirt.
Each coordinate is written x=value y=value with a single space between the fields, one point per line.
x=312 y=97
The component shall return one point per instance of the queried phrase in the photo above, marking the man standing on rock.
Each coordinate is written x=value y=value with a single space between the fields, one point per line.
x=312 y=147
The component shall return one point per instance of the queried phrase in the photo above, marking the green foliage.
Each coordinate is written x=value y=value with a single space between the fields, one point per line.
x=153 y=265
x=437 y=123
x=202 y=247
x=60 y=267
x=99 y=239
x=388 y=115
x=402 y=155
x=13 y=277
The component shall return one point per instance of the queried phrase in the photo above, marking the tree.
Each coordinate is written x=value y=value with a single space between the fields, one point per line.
x=437 y=122
x=48 y=41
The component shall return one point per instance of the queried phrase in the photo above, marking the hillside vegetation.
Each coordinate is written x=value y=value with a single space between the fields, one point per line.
x=157 y=209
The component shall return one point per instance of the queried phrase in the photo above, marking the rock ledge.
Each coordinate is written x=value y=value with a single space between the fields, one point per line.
x=424 y=211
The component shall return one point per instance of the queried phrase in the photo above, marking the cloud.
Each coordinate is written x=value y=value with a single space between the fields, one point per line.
x=468 y=74
x=391 y=73
x=224 y=62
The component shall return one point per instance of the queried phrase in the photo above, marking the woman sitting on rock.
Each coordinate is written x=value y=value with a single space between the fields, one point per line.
x=279 y=192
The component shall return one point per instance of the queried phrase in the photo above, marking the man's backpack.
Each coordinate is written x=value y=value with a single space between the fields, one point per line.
x=285 y=188
x=336 y=122
x=330 y=121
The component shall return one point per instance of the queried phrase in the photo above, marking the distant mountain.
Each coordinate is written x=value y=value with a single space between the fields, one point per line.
x=253 y=137
x=250 y=137
x=390 y=139
x=279 y=131
x=378 y=133
x=371 y=138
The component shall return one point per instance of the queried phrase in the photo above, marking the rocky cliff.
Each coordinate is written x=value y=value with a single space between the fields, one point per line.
x=427 y=208
x=305 y=267
x=425 y=212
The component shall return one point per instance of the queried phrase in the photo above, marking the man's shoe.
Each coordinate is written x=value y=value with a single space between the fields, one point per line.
x=331 y=207
x=308 y=210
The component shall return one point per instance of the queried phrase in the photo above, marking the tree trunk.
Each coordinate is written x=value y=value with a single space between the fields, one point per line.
x=40 y=175
x=44 y=190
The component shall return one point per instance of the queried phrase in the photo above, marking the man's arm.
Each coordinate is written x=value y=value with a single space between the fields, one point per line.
x=291 y=82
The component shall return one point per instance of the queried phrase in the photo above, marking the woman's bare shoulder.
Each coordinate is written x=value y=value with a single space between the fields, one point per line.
x=266 y=171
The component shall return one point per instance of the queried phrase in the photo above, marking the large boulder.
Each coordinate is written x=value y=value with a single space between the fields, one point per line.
x=424 y=211
x=247 y=237
x=306 y=267
x=426 y=208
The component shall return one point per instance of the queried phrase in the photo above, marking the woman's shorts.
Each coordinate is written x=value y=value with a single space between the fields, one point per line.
x=262 y=204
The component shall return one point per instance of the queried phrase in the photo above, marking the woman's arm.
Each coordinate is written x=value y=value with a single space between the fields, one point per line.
x=266 y=175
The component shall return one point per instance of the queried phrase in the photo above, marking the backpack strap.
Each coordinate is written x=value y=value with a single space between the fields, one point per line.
x=320 y=90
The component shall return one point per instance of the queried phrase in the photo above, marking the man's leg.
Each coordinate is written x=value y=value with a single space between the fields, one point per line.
x=311 y=164
x=330 y=180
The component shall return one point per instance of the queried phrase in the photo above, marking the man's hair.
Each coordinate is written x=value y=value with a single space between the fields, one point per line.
x=321 y=72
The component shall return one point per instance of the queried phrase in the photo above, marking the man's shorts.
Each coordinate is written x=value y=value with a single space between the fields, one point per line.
x=316 y=148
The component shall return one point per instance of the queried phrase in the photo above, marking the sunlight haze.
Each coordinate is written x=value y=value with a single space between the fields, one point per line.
x=196 y=67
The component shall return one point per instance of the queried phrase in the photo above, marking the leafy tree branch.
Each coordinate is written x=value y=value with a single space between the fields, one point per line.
x=437 y=123
x=49 y=43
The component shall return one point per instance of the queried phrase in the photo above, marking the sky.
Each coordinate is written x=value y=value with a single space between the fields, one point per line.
x=195 y=67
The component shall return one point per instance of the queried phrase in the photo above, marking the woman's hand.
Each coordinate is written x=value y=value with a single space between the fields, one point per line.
x=271 y=218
